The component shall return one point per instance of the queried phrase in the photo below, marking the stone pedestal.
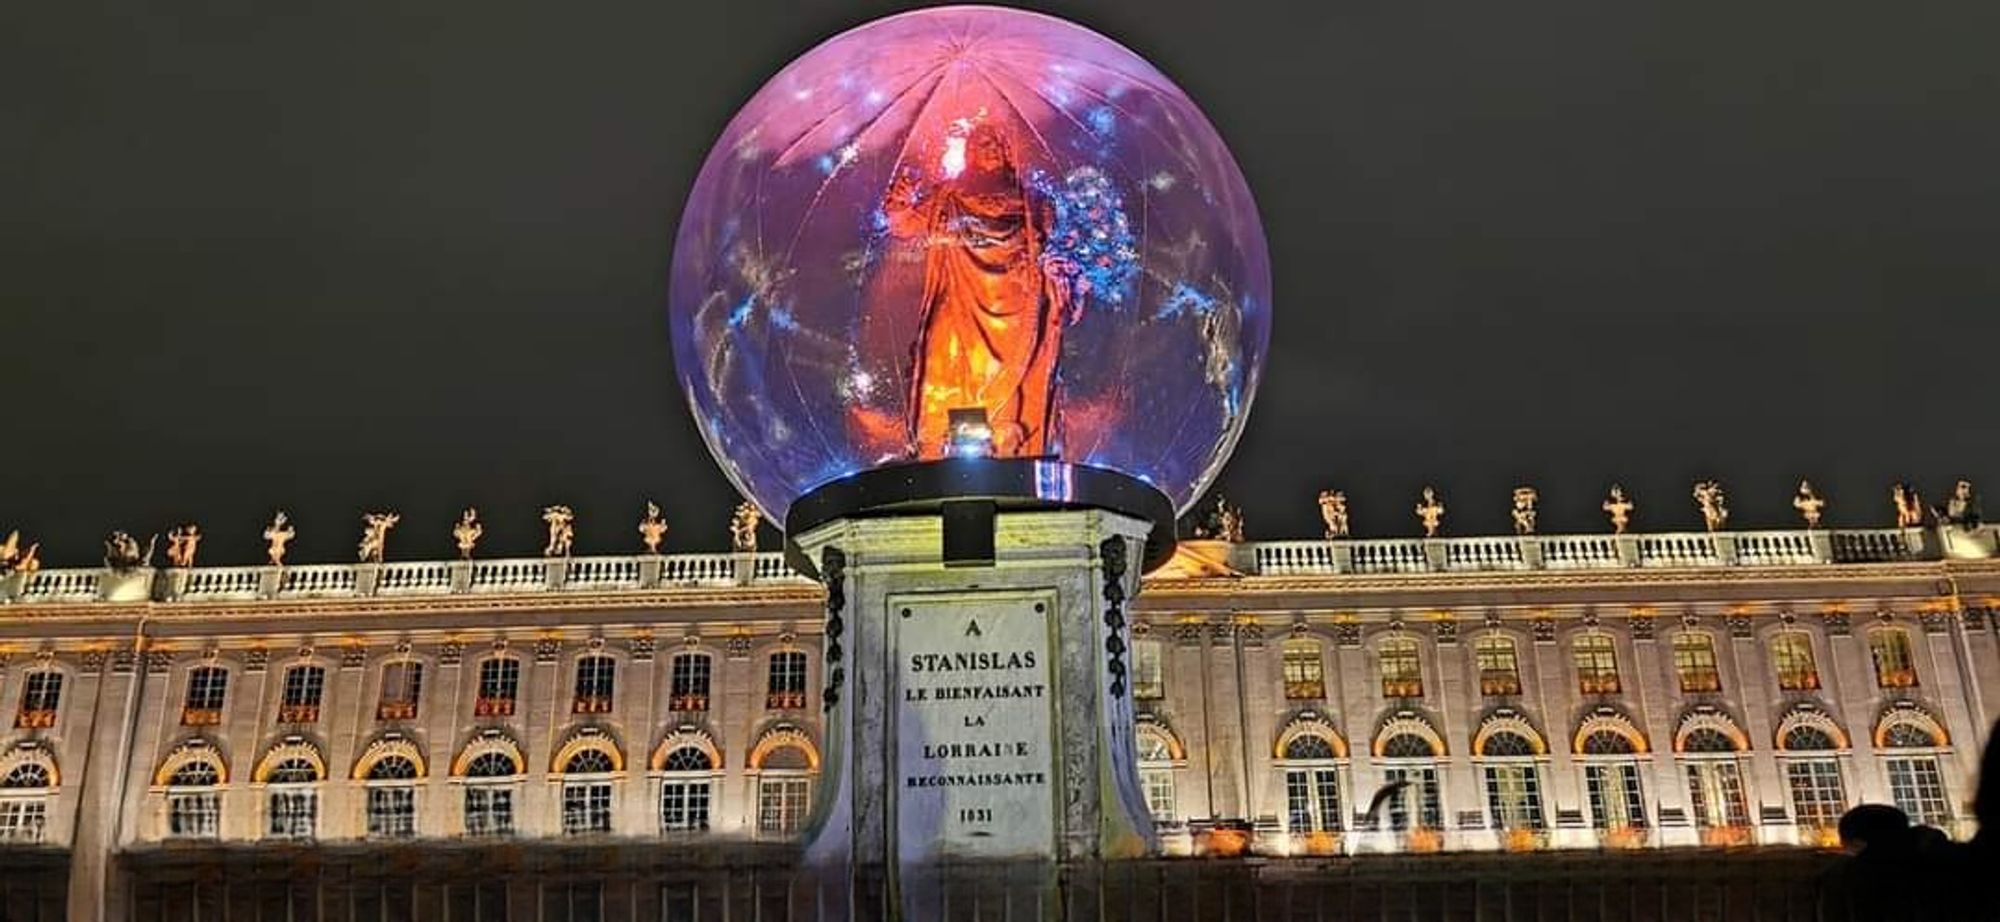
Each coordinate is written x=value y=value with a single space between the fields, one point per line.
x=977 y=712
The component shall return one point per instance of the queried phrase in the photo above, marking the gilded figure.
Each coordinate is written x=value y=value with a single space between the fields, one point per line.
x=1909 y=506
x=375 y=535
x=1333 y=512
x=1961 y=508
x=122 y=552
x=1809 y=504
x=1524 y=510
x=743 y=528
x=1430 y=511
x=467 y=532
x=182 y=543
x=277 y=535
x=562 y=530
x=1619 y=507
x=653 y=528
x=1708 y=496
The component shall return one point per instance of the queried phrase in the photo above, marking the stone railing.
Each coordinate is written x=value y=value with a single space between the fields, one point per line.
x=1671 y=550
x=400 y=579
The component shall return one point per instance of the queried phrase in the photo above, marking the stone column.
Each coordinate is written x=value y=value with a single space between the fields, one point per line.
x=97 y=886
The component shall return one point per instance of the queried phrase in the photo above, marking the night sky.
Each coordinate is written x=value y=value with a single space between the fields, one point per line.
x=414 y=256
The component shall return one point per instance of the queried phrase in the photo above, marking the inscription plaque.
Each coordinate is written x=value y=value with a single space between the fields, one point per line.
x=975 y=741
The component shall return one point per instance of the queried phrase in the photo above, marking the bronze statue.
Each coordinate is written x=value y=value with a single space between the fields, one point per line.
x=279 y=533
x=743 y=528
x=1333 y=511
x=1809 y=504
x=1619 y=508
x=467 y=532
x=1524 y=510
x=1909 y=506
x=121 y=552
x=653 y=529
x=1714 y=507
x=562 y=530
x=375 y=535
x=182 y=543
x=1431 y=512
x=1962 y=508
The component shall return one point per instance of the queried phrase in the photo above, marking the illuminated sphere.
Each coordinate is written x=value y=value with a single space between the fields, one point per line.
x=969 y=208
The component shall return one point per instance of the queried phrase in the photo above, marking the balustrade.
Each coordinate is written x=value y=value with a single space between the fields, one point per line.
x=1483 y=554
x=1393 y=556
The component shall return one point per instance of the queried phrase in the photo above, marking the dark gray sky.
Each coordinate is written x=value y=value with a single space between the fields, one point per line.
x=407 y=255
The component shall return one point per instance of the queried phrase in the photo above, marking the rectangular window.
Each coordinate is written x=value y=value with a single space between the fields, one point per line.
x=1159 y=786
x=1421 y=792
x=23 y=819
x=499 y=684
x=586 y=808
x=392 y=812
x=1148 y=680
x=207 y=686
x=1305 y=672
x=1596 y=664
x=41 y=693
x=1615 y=799
x=1402 y=673
x=1792 y=656
x=689 y=690
x=684 y=806
x=304 y=686
x=1694 y=662
x=194 y=816
x=489 y=810
x=781 y=804
x=1894 y=666
x=402 y=686
x=294 y=813
x=1499 y=670
x=594 y=676
x=1514 y=796
x=1312 y=800
x=1715 y=789
x=1917 y=787
x=1818 y=797
x=785 y=689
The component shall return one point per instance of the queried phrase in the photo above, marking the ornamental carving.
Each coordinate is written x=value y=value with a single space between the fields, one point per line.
x=1739 y=626
x=1837 y=623
x=1347 y=634
x=255 y=659
x=1934 y=622
x=450 y=653
x=642 y=648
x=1447 y=631
x=1641 y=627
x=547 y=649
x=1544 y=629
x=353 y=656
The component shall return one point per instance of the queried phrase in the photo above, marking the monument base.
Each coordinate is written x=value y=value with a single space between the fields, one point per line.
x=977 y=713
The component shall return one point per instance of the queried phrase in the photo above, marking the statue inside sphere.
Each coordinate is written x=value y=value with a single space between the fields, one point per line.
x=969 y=212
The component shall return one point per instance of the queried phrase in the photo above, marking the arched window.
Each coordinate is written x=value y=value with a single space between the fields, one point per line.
x=1606 y=743
x=489 y=797
x=1159 y=757
x=1916 y=782
x=1305 y=672
x=1499 y=669
x=499 y=686
x=688 y=690
x=1707 y=740
x=392 y=801
x=1402 y=671
x=1895 y=666
x=587 y=793
x=1808 y=738
x=304 y=687
x=1792 y=657
x=784 y=761
x=293 y=798
x=1694 y=662
x=785 y=689
x=24 y=791
x=206 y=689
x=41 y=697
x=1411 y=767
x=594 y=676
x=194 y=807
x=1813 y=777
x=1513 y=785
x=1596 y=661
x=685 y=789
x=1611 y=774
x=1312 y=784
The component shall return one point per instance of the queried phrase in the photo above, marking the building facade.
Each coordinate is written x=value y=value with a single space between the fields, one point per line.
x=1562 y=692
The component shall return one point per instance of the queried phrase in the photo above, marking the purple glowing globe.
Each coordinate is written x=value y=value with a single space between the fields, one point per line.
x=969 y=220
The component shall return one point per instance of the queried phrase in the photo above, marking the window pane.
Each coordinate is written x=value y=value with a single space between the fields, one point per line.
x=294 y=813
x=392 y=811
x=689 y=683
x=1917 y=787
x=1615 y=799
x=304 y=686
x=1791 y=654
x=1694 y=661
x=1148 y=681
x=594 y=676
x=586 y=808
x=1305 y=676
x=1596 y=664
x=1499 y=671
x=489 y=810
x=41 y=694
x=684 y=805
x=1818 y=797
x=23 y=819
x=781 y=804
x=786 y=687
x=1894 y=667
x=402 y=684
x=1514 y=796
x=1159 y=785
x=1402 y=675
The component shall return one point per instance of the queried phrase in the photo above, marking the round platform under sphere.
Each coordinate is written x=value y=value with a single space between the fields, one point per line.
x=965 y=214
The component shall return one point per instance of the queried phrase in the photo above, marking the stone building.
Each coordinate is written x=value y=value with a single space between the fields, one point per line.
x=1520 y=692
